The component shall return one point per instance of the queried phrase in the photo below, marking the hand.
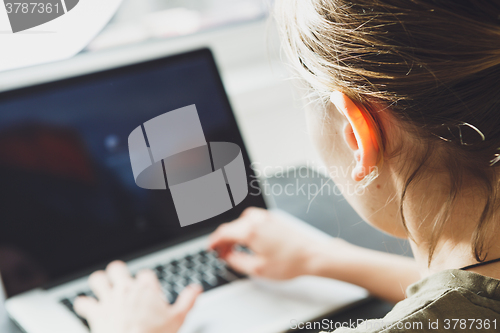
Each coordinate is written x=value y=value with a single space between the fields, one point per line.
x=128 y=305
x=279 y=250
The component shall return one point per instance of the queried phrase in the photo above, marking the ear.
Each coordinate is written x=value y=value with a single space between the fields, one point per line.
x=359 y=133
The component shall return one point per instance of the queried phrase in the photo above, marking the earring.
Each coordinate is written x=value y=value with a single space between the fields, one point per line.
x=367 y=180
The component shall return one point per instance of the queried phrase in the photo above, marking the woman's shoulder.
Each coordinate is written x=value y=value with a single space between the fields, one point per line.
x=451 y=300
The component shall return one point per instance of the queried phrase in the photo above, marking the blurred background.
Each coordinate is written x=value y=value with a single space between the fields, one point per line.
x=244 y=39
x=139 y=20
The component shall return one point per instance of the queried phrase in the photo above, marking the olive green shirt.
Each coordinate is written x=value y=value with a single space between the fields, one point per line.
x=448 y=301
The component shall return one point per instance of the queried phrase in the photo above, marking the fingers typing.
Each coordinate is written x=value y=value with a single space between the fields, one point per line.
x=100 y=284
x=85 y=306
x=118 y=273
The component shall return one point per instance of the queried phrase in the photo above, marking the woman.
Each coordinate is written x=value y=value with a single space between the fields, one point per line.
x=408 y=99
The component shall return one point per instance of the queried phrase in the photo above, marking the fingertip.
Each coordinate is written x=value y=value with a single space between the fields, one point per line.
x=215 y=236
x=115 y=264
x=212 y=240
x=78 y=300
x=187 y=298
x=248 y=210
x=225 y=251
x=233 y=261
x=192 y=291
x=244 y=263
x=98 y=278
x=148 y=278
x=97 y=274
x=195 y=288
x=83 y=305
x=145 y=272
x=216 y=240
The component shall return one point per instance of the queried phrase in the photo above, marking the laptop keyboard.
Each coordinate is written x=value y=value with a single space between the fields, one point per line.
x=203 y=268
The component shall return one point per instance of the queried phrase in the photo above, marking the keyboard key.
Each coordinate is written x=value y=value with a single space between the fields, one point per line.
x=210 y=279
x=170 y=277
x=219 y=264
x=206 y=286
x=170 y=297
x=66 y=302
x=206 y=268
x=159 y=270
x=174 y=297
x=178 y=287
x=196 y=278
x=221 y=281
x=172 y=268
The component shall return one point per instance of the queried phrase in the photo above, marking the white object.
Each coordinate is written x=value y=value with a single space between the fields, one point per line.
x=55 y=40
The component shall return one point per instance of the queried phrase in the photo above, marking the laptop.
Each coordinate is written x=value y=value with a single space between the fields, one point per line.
x=70 y=203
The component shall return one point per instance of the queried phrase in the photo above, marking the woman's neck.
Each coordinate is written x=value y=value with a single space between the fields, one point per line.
x=454 y=246
x=455 y=257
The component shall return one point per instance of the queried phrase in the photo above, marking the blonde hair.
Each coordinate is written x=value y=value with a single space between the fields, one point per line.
x=435 y=64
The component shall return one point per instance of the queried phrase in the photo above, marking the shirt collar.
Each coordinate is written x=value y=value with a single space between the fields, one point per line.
x=453 y=279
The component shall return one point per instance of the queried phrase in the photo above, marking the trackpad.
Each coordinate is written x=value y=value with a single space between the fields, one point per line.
x=268 y=306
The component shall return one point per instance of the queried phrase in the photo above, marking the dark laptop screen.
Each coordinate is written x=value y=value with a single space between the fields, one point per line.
x=68 y=198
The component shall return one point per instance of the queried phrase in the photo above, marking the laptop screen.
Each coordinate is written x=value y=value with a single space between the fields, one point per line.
x=69 y=202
